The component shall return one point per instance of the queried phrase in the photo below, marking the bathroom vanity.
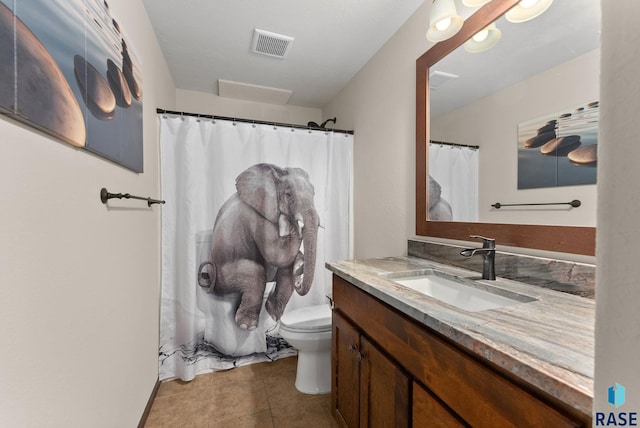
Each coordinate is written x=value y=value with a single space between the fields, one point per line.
x=402 y=358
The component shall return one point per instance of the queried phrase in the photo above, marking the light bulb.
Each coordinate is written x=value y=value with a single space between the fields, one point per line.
x=443 y=24
x=526 y=10
x=483 y=39
x=444 y=21
x=528 y=3
x=481 y=35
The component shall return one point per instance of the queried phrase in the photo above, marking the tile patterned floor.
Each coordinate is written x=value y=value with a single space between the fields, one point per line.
x=256 y=396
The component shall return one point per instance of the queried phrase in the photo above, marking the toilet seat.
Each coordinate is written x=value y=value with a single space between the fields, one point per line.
x=307 y=320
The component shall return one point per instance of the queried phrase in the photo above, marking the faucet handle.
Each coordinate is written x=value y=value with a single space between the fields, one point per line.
x=486 y=242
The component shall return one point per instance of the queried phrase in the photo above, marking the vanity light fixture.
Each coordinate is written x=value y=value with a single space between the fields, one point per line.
x=526 y=10
x=444 y=21
x=483 y=39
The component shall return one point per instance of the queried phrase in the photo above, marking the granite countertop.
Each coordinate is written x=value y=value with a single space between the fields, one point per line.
x=547 y=343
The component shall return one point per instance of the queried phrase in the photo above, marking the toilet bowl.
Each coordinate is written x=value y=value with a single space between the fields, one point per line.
x=309 y=331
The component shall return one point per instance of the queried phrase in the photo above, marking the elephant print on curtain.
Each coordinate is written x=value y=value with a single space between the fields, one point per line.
x=439 y=208
x=265 y=232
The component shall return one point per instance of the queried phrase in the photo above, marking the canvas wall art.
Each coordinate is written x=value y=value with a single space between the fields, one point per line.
x=559 y=149
x=68 y=70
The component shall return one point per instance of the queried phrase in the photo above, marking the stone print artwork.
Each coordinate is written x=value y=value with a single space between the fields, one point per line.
x=68 y=71
x=559 y=149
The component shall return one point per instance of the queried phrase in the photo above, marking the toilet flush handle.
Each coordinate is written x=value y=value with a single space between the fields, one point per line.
x=331 y=305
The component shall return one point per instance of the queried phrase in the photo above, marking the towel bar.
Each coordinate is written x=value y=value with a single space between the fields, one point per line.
x=105 y=196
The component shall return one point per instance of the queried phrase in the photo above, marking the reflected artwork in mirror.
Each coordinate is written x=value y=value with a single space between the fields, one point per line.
x=555 y=228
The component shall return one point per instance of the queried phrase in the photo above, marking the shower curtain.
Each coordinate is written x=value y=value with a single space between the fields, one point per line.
x=455 y=170
x=224 y=286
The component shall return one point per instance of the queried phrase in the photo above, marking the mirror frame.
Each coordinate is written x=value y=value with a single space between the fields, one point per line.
x=565 y=239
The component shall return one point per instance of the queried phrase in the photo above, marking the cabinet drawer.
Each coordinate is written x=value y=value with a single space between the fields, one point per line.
x=481 y=396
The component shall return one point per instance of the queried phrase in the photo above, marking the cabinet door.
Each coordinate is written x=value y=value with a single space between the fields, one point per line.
x=429 y=412
x=384 y=390
x=345 y=372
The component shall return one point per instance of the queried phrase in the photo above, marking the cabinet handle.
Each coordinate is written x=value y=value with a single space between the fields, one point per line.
x=359 y=356
x=353 y=348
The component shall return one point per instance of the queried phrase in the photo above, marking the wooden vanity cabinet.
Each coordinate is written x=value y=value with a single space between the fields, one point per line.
x=369 y=389
x=390 y=371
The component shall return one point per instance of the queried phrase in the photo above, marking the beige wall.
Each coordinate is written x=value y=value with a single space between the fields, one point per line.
x=492 y=123
x=79 y=282
x=200 y=102
x=379 y=104
x=618 y=290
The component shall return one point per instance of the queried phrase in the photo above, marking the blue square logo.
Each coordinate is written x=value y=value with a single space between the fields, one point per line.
x=616 y=395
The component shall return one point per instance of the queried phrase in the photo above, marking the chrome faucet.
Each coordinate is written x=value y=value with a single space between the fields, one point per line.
x=488 y=252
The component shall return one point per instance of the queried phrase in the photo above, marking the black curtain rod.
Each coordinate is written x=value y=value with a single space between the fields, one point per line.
x=444 y=143
x=259 y=122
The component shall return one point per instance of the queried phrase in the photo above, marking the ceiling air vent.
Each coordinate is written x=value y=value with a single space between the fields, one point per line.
x=272 y=44
x=437 y=79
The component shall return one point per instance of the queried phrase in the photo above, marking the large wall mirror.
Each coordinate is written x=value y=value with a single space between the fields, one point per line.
x=547 y=70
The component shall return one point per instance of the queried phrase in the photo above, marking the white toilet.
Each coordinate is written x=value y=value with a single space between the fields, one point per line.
x=309 y=331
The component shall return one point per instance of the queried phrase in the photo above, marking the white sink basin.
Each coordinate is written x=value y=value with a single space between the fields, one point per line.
x=463 y=293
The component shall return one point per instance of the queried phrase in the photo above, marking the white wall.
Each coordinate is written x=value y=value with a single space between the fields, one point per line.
x=79 y=282
x=379 y=104
x=492 y=123
x=618 y=289
x=200 y=102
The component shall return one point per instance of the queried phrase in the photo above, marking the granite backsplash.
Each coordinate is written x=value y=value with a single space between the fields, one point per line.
x=560 y=275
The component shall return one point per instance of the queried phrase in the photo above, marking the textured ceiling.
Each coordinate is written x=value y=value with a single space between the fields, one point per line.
x=207 y=40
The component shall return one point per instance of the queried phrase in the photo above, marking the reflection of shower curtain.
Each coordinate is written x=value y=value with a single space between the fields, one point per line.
x=201 y=160
x=456 y=170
